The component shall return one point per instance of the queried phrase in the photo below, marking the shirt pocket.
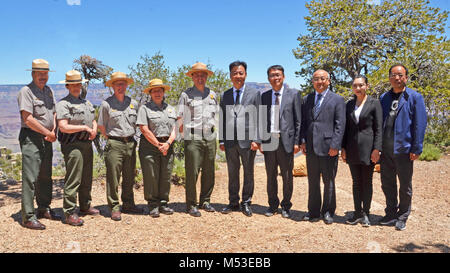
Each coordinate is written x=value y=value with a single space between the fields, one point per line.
x=77 y=115
x=131 y=117
x=39 y=108
x=116 y=118
x=172 y=115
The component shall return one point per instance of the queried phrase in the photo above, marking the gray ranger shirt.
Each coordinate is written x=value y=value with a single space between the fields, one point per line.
x=40 y=103
x=119 y=119
x=77 y=111
x=160 y=121
x=198 y=110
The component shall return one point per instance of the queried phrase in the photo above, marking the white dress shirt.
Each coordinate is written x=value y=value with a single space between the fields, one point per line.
x=272 y=110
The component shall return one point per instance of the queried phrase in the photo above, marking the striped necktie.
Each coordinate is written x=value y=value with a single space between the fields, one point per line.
x=317 y=106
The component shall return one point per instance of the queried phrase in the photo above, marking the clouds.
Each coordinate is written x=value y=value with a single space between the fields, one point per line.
x=73 y=2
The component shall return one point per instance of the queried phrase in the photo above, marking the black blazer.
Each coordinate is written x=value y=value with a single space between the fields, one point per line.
x=246 y=114
x=325 y=130
x=290 y=118
x=360 y=139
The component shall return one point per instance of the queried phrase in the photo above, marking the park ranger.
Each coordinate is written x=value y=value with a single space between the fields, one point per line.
x=196 y=114
x=77 y=129
x=117 y=122
x=37 y=112
x=157 y=123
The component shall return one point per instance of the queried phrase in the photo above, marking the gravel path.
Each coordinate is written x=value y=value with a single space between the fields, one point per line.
x=428 y=229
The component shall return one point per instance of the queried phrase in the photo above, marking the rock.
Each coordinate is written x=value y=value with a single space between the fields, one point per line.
x=11 y=181
x=300 y=166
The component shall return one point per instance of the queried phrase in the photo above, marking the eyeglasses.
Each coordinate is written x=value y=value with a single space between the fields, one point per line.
x=275 y=75
x=320 y=79
x=396 y=75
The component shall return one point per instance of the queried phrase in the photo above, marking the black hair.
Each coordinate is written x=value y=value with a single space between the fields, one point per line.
x=275 y=67
x=398 y=64
x=238 y=63
x=359 y=76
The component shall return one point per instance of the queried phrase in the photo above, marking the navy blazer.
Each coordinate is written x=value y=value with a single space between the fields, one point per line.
x=410 y=123
x=290 y=118
x=361 y=138
x=327 y=129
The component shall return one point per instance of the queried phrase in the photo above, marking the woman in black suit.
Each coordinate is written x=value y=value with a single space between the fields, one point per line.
x=361 y=146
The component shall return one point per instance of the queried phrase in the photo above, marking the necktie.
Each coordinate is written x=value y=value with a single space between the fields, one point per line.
x=276 y=125
x=237 y=101
x=317 y=106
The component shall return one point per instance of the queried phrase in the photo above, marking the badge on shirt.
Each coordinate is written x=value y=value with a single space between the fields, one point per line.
x=131 y=106
x=212 y=97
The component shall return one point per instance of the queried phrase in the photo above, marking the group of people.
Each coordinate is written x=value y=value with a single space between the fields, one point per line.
x=278 y=122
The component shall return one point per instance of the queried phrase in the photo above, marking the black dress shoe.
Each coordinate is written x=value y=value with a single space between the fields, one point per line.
x=271 y=212
x=285 y=213
x=327 y=218
x=154 y=212
x=357 y=218
x=388 y=220
x=308 y=217
x=230 y=208
x=165 y=210
x=400 y=225
x=207 y=207
x=34 y=224
x=193 y=211
x=247 y=210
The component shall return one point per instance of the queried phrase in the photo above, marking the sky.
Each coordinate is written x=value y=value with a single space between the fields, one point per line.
x=118 y=32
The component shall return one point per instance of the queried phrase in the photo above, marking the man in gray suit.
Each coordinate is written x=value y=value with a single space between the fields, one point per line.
x=238 y=134
x=323 y=127
x=281 y=118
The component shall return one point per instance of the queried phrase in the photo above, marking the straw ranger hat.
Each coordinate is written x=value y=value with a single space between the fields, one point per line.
x=40 y=65
x=199 y=67
x=73 y=77
x=119 y=76
x=156 y=83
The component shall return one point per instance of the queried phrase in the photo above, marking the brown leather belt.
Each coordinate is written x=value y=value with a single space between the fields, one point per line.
x=123 y=139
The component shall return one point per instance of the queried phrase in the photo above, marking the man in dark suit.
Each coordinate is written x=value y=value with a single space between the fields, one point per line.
x=322 y=131
x=238 y=125
x=281 y=118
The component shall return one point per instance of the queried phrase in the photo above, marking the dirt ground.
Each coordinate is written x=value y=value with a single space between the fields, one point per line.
x=428 y=228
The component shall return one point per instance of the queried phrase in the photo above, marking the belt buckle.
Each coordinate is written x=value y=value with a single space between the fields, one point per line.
x=276 y=135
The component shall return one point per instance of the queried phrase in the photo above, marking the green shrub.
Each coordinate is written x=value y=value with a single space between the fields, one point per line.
x=178 y=172
x=99 y=168
x=430 y=153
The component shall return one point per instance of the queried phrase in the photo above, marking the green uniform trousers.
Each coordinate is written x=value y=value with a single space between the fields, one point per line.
x=78 y=157
x=120 y=159
x=156 y=171
x=37 y=157
x=199 y=154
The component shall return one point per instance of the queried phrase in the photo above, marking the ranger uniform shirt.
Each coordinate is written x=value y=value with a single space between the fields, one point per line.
x=77 y=111
x=39 y=103
x=198 y=110
x=160 y=121
x=118 y=118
